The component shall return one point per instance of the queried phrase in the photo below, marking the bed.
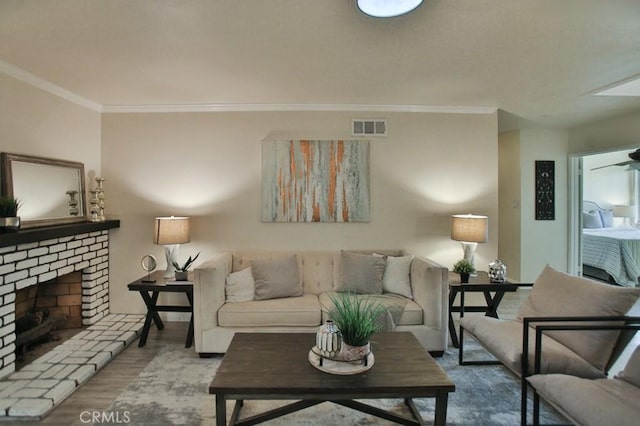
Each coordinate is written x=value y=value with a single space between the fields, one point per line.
x=612 y=250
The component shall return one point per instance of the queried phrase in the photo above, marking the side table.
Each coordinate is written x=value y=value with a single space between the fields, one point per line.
x=493 y=294
x=151 y=291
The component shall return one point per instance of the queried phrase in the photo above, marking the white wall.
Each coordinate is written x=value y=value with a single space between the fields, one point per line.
x=509 y=242
x=207 y=166
x=35 y=122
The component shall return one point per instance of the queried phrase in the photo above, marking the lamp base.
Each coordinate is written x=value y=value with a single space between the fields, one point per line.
x=171 y=253
x=469 y=250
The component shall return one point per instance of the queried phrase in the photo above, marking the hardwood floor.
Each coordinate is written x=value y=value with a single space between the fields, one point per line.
x=102 y=389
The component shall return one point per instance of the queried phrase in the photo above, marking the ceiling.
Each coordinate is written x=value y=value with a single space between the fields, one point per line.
x=537 y=61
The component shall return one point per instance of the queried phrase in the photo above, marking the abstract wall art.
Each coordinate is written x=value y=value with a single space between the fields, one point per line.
x=315 y=181
x=545 y=190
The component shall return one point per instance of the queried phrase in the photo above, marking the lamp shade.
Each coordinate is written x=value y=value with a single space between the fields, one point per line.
x=623 y=211
x=469 y=228
x=171 y=230
x=387 y=8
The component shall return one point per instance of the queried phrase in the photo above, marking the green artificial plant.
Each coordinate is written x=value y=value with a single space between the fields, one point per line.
x=185 y=267
x=357 y=317
x=463 y=266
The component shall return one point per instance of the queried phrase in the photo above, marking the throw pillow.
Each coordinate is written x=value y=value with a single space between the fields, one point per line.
x=556 y=293
x=631 y=372
x=591 y=219
x=361 y=273
x=607 y=218
x=276 y=278
x=240 y=286
x=397 y=275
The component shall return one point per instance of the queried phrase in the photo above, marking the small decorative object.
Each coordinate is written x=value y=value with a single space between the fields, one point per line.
x=464 y=268
x=9 y=219
x=73 y=203
x=183 y=271
x=100 y=195
x=497 y=271
x=149 y=264
x=328 y=340
x=94 y=209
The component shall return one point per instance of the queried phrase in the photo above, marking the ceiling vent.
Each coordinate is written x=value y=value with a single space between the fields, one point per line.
x=369 y=127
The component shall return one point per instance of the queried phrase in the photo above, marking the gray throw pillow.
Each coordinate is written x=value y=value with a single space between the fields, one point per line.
x=276 y=278
x=361 y=273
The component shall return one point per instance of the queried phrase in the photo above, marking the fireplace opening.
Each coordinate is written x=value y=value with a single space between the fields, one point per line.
x=47 y=314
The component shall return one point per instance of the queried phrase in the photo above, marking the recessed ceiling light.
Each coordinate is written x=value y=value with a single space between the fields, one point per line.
x=626 y=88
x=387 y=8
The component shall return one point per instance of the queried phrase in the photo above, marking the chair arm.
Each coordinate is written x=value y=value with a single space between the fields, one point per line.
x=430 y=288
x=209 y=291
x=590 y=323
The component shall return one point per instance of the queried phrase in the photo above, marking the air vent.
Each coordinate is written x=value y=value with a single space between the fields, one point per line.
x=369 y=127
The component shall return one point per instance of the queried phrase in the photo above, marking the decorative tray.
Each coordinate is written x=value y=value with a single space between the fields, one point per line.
x=334 y=366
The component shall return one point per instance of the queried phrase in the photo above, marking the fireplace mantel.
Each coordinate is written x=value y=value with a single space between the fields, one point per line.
x=43 y=233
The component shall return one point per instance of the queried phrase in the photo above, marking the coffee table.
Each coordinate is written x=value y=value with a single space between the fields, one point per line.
x=275 y=366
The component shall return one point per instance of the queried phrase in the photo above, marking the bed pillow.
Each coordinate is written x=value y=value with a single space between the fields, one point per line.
x=397 y=275
x=607 y=218
x=361 y=273
x=591 y=219
x=556 y=293
x=240 y=286
x=276 y=278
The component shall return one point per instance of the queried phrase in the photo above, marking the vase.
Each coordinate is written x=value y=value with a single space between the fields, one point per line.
x=354 y=353
x=182 y=275
x=464 y=278
x=328 y=340
x=11 y=224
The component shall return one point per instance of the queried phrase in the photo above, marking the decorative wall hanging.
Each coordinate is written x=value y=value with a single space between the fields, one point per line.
x=315 y=181
x=545 y=190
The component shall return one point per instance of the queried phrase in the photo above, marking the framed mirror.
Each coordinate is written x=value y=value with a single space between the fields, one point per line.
x=50 y=191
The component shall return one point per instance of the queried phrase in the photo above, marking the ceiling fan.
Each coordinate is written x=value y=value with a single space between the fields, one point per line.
x=634 y=163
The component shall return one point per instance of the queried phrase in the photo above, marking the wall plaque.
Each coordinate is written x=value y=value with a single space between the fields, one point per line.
x=545 y=190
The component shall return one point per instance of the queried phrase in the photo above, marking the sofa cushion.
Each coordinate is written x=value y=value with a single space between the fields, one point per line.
x=412 y=314
x=556 y=293
x=276 y=278
x=240 y=286
x=291 y=311
x=397 y=276
x=631 y=372
x=503 y=338
x=590 y=402
x=361 y=273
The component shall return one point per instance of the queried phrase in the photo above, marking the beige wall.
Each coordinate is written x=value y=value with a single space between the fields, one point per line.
x=207 y=166
x=510 y=203
x=35 y=122
x=606 y=135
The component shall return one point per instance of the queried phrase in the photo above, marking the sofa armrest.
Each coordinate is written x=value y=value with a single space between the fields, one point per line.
x=208 y=292
x=430 y=287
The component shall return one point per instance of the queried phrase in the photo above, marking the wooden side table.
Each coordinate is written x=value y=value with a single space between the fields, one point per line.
x=151 y=291
x=493 y=294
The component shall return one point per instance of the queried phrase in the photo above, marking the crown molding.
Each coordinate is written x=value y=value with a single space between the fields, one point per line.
x=295 y=107
x=32 y=79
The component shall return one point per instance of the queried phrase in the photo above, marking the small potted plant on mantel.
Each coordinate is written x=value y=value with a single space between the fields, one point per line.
x=9 y=219
x=465 y=269
x=182 y=272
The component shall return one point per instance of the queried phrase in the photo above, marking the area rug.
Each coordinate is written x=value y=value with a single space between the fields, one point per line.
x=173 y=390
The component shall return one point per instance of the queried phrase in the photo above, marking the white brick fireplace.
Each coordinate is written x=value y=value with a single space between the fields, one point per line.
x=40 y=260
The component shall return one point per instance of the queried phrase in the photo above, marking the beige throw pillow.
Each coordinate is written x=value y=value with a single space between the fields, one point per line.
x=361 y=273
x=240 y=286
x=276 y=278
x=556 y=293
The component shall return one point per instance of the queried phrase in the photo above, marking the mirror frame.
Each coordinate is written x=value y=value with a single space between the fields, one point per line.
x=7 y=160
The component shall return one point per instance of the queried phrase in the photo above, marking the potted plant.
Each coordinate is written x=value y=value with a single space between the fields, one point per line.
x=182 y=272
x=9 y=219
x=464 y=268
x=357 y=318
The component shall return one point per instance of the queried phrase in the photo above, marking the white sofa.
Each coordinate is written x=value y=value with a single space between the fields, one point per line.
x=216 y=321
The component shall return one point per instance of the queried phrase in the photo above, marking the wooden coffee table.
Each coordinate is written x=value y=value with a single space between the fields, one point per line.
x=273 y=366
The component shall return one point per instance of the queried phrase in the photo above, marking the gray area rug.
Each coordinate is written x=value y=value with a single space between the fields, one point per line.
x=173 y=390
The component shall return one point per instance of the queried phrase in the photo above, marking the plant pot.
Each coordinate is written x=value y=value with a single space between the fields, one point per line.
x=10 y=224
x=182 y=275
x=464 y=278
x=354 y=353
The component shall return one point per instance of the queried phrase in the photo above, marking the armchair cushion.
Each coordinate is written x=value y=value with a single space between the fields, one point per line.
x=556 y=293
x=631 y=372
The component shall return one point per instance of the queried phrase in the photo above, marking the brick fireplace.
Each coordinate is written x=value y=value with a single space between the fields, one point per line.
x=54 y=254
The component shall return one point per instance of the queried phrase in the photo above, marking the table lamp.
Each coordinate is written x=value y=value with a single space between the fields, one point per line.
x=625 y=212
x=171 y=232
x=470 y=230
